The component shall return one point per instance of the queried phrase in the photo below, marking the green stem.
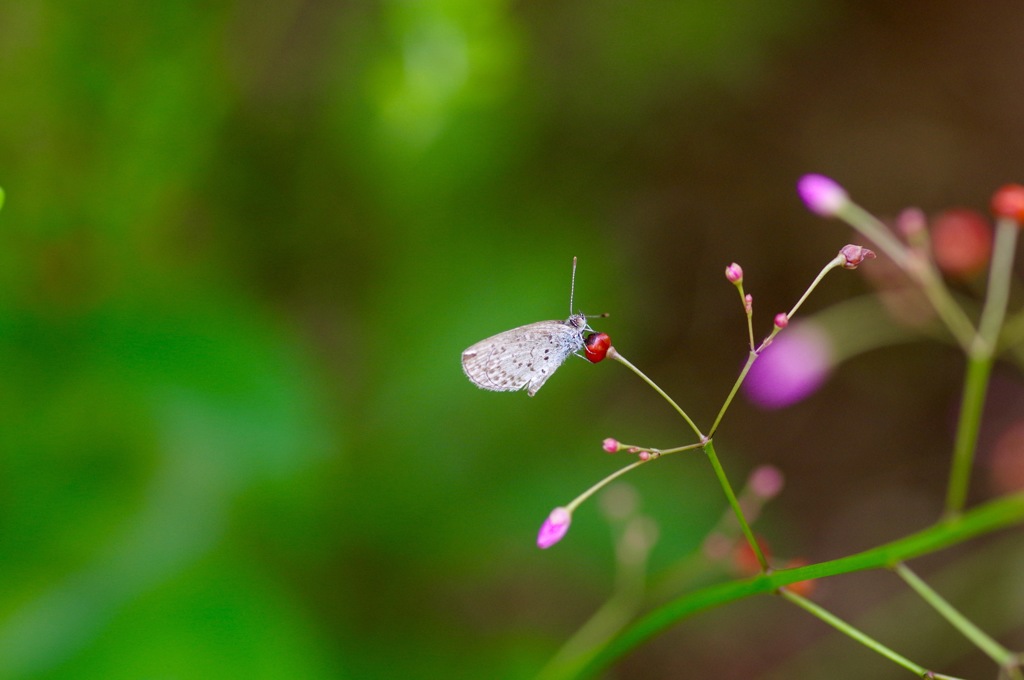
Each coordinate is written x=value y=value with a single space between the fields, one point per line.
x=837 y=261
x=858 y=635
x=980 y=355
x=751 y=358
x=993 y=649
x=747 y=313
x=973 y=401
x=869 y=225
x=999 y=276
x=709 y=448
x=943 y=303
x=576 y=502
x=983 y=519
x=622 y=360
x=918 y=267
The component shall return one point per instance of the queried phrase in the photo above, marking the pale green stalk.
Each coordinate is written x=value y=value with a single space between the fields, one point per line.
x=709 y=449
x=980 y=358
x=995 y=651
x=858 y=635
x=622 y=360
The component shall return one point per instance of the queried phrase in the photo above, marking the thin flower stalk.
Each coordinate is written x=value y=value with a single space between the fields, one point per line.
x=995 y=651
x=709 y=449
x=858 y=635
x=980 y=358
x=614 y=354
x=837 y=261
x=922 y=270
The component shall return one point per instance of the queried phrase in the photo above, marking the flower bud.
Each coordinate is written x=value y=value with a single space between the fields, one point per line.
x=744 y=560
x=855 y=255
x=791 y=368
x=1008 y=201
x=961 y=243
x=911 y=223
x=734 y=273
x=597 y=345
x=781 y=320
x=610 y=445
x=822 y=195
x=765 y=482
x=554 y=528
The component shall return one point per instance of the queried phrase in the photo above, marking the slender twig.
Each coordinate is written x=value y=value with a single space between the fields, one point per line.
x=993 y=649
x=709 y=449
x=614 y=354
x=858 y=635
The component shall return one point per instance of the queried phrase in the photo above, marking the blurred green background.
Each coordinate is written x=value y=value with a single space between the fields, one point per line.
x=244 y=244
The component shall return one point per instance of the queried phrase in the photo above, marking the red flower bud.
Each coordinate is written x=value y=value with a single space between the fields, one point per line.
x=961 y=243
x=744 y=561
x=1008 y=201
x=597 y=345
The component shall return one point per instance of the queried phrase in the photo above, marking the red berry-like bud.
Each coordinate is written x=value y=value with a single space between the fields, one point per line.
x=961 y=243
x=1008 y=201
x=855 y=255
x=745 y=561
x=781 y=320
x=597 y=345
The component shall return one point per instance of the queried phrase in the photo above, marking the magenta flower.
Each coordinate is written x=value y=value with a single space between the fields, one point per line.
x=610 y=445
x=791 y=368
x=734 y=273
x=822 y=195
x=554 y=528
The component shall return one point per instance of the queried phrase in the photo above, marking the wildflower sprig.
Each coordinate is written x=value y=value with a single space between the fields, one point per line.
x=917 y=255
x=598 y=347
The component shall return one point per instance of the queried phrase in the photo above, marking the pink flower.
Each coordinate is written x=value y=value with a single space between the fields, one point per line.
x=911 y=222
x=791 y=368
x=610 y=445
x=765 y=481
x=554 y=528
x=734 y=273
x=781 y=320
x=822 y=195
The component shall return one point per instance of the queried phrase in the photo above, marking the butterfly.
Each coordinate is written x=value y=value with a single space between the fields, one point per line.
x=525 y=357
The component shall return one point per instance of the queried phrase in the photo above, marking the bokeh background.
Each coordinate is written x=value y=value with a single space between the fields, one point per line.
x=244 y=244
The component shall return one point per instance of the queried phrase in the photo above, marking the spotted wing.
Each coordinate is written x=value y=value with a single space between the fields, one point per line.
x=523 y=357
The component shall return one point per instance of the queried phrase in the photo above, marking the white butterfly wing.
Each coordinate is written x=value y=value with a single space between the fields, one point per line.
x=523 y=357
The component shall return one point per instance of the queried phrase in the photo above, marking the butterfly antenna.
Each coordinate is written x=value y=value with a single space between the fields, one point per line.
x=572 y=284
